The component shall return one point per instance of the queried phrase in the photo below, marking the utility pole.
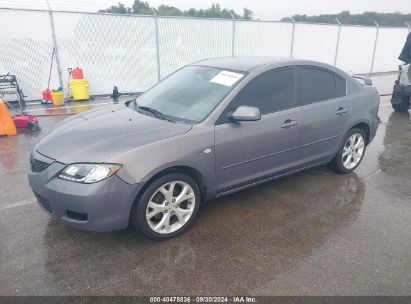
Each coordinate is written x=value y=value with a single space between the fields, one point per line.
x=233 y=37
x=157 y=44
x=292 y=37
x=53 y=34
x=375 y=46
x=338 y=42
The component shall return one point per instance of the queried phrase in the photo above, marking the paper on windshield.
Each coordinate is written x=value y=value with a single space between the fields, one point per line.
x=226 y=78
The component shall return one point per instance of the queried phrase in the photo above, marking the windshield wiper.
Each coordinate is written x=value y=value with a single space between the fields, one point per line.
x=155 y=112
x=132 y=103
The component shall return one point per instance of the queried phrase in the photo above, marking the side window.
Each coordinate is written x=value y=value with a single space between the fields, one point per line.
x=341 y=86
x=318 y=85
x=271 y=92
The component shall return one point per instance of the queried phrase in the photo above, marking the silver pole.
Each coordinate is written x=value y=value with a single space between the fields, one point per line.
x=338 y=42
x=233 y=38
x=53 y=34
x=292 y=38
x=157 y=44
x=375 y=46
x=409 y=27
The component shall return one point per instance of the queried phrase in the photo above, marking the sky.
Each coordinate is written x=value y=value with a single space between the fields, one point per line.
x=263 y=9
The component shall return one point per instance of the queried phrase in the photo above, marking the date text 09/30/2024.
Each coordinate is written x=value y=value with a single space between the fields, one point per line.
x=204 y=299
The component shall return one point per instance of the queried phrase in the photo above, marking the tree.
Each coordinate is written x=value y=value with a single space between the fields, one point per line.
x=366 y=18
x=165 y=10
x=116 y=9
x=143 y=8
x=247 y=13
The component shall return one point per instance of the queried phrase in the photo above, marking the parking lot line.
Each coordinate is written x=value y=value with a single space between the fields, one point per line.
x=17 y=204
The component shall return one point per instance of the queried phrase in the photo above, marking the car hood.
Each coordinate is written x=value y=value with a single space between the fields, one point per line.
x=98 y=135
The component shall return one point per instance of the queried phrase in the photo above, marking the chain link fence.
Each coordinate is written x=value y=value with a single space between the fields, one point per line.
x=134 y=52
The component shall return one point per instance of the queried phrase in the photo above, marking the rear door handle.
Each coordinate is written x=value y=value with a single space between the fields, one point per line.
x=341 y=111
x=289 y=123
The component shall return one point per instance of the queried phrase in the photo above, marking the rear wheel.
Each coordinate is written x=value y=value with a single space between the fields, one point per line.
x=167 y=207
x=351 y=153
x=400 y=103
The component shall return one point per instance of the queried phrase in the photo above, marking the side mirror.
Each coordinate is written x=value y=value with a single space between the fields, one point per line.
x=246 y=113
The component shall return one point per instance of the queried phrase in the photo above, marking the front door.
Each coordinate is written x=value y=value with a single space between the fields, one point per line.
x=252 y=150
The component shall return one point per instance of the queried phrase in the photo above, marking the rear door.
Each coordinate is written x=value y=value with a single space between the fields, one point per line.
x=325 y=112
x=251 y=150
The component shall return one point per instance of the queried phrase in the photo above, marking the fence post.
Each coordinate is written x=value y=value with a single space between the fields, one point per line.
x=233 y=38
x=157 y=44
x=409 y=27
x=292 y=38
x=338 y=42
x=53 y=34
x=375 y=46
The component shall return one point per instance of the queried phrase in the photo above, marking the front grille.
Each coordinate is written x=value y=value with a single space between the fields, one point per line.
x=37 y=165
x=43 y=202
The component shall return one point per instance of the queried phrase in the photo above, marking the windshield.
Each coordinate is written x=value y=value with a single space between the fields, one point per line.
x=188 y=95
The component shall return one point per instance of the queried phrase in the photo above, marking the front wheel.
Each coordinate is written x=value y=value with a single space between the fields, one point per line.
x=167 y=207
x=400 y=103
x=350 y=153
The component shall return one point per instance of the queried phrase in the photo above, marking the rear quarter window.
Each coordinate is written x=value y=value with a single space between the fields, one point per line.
x=341 y=85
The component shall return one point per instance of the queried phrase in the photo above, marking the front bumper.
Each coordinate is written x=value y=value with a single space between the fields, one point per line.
x=102 y=206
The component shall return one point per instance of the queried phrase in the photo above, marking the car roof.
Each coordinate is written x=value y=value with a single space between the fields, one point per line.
x=242 y=63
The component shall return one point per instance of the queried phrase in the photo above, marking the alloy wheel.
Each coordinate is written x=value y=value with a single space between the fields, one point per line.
x=170 y=207
x=353 y=151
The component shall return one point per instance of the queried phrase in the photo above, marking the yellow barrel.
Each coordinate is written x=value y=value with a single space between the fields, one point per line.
x=57 y=98
x=79 y=89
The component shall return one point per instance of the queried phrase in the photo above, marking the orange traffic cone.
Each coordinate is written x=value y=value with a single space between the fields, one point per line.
x=7 y=126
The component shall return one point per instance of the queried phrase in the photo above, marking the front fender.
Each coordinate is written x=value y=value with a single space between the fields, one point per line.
x=188 y=150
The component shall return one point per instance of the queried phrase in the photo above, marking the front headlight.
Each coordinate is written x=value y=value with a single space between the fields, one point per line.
x=88 y=173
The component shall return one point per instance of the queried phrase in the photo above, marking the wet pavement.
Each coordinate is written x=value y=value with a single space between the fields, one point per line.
x=313 y=233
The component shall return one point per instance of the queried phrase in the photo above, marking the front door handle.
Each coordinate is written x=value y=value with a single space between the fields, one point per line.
x=289 y=123
x=341 y=111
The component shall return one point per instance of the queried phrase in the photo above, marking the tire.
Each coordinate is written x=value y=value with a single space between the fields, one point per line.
x=175 y=213
x=338 y=164
x=400 y=103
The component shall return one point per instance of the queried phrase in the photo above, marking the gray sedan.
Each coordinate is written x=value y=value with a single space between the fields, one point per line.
x=211 y=128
